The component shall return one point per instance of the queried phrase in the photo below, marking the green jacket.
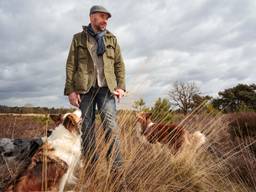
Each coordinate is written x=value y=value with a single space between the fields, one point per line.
x=80 y=72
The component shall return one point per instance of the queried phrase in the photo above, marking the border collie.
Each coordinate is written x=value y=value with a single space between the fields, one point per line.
x=172 y=135
x=53 y=164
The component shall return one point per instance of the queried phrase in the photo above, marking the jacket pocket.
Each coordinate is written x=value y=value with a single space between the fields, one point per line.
x=82 y=52
x=82 y=58
x=110 y=51
x=81 y=81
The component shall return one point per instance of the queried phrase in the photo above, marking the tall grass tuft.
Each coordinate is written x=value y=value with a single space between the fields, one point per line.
x=149 y=167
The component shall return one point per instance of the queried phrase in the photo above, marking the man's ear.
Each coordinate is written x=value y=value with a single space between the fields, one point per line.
x=57 y=118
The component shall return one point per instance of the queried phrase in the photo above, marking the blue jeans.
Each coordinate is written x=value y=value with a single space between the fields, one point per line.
x=106 y=104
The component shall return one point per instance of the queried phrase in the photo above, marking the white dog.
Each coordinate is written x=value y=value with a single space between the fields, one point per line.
x=53 y=164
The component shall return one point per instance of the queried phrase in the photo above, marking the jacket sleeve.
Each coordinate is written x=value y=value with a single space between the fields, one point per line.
x=70 y=69
x=119 y=68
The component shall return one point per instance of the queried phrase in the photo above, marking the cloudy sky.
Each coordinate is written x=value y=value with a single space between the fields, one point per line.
x=209 y=42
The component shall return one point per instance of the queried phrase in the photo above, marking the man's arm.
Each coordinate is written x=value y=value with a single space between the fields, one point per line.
x=70 y=69
x=119 y=69
x=73 y=97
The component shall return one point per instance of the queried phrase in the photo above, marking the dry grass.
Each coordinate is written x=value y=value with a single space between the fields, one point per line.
x=151 y=168
x=218 y=166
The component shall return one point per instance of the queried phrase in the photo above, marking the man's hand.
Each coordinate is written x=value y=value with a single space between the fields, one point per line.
x=74 y=99
x=119 y=93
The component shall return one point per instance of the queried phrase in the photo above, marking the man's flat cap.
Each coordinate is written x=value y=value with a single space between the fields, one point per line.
x=98 y=8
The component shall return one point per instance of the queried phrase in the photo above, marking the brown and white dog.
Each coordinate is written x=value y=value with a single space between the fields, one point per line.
x=172 y=135
x=53 y=164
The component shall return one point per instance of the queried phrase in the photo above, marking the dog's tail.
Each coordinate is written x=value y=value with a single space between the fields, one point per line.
x=198 y=139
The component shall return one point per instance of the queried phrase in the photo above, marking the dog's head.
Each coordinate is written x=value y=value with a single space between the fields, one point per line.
x=144 y=119
x=71 y=121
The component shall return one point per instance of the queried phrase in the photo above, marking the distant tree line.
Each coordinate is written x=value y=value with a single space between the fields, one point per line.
x=186 y=97
x=183 y=98
x=237 y=99
x=34 y=110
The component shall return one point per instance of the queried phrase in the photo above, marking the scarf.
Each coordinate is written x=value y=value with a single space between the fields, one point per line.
x=99 y=38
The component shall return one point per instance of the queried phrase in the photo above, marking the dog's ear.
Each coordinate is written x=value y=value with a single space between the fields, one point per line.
x=70 y=123
x=57 y=118
x=148 y=115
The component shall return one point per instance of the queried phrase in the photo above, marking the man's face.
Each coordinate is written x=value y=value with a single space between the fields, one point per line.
x=99 y=20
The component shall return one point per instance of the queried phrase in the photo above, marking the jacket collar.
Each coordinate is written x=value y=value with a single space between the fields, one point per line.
x=108 y=33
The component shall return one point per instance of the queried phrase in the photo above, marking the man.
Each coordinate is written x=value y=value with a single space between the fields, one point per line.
x=95 y=75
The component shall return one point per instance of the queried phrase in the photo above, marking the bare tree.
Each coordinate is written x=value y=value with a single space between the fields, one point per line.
x=181 y=95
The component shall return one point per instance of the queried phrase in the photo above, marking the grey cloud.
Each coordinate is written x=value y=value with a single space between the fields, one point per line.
x=208 y=41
